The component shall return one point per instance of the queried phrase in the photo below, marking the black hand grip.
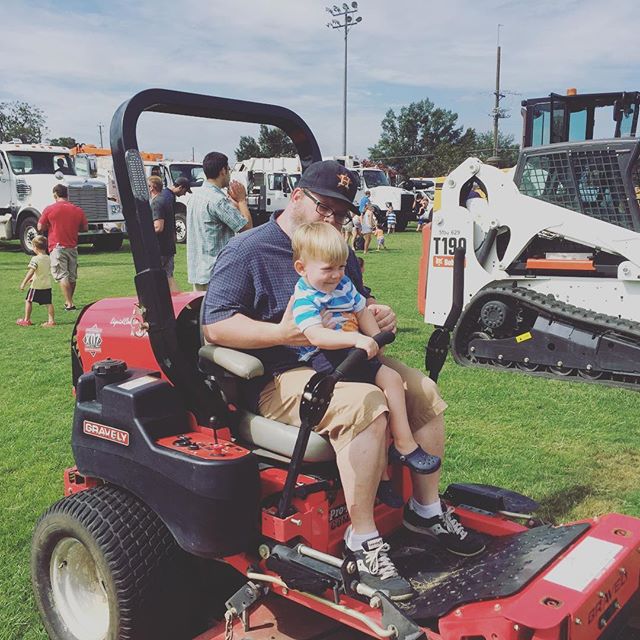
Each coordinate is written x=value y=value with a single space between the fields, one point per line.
x=356 y=356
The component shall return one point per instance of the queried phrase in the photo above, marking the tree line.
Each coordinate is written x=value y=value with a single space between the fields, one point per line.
x=421 y=139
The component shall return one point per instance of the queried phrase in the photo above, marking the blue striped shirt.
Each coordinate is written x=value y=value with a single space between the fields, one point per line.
x=343 y=303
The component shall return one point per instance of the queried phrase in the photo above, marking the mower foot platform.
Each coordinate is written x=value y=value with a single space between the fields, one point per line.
x=444 y=582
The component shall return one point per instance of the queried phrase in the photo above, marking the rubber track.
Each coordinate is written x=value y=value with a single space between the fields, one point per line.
x=133 y=539
x=548 y=306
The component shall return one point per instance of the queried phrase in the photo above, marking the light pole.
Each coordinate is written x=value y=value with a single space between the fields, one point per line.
x=350 y=20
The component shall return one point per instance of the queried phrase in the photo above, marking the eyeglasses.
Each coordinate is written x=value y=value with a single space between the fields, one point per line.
x=327 y=212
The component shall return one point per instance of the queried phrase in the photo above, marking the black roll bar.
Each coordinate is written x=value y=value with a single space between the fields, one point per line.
x=151 y=282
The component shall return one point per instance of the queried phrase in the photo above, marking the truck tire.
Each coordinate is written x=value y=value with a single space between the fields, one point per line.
x=181 y=227
x=109 y=242
x=27 y=231
x=104 y=566
x=401 y=224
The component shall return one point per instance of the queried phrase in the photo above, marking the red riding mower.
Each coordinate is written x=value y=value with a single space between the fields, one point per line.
x=175 y=483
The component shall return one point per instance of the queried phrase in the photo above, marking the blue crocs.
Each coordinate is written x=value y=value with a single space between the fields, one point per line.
x=418 y=460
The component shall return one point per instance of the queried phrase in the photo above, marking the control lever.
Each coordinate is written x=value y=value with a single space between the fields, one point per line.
x=313 y=405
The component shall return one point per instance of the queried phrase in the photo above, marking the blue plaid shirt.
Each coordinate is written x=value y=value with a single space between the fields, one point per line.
x=211 y=222
x=254 y=276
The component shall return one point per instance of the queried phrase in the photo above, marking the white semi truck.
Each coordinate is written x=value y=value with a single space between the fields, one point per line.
x=376 y=181
x=28 y=173
x=269 y=182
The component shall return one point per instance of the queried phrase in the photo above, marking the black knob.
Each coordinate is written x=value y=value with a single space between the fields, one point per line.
x=109 y=367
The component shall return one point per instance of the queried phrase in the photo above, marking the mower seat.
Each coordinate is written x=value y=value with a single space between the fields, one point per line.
x=229 y=367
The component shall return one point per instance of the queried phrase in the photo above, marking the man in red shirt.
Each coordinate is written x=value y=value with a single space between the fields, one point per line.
x=63 y=221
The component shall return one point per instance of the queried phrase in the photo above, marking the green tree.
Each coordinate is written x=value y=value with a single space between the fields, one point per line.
x=247 y=148
x=272 y=143
x=63 y=142
x=22 y=120
x=422 y=139
x=508 y=149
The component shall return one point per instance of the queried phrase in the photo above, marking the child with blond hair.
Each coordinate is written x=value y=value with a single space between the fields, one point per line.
x=39 y=280
x=320 y=256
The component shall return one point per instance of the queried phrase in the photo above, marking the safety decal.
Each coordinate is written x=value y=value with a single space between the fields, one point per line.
x=338 y=516
x=524 y=336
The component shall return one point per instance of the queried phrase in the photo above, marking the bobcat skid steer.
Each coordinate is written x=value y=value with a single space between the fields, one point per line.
x=548 y=277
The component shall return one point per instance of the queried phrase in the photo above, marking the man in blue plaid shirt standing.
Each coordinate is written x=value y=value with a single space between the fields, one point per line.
x=213 y=218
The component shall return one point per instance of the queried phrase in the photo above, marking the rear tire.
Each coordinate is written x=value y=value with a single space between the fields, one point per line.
x=110 y=242
x=27 y=231
x=401 y=224
x=105 y=567
x=181 y=227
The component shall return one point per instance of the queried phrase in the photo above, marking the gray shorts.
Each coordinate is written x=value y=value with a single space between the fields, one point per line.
x=167 y=263
x=64 y=264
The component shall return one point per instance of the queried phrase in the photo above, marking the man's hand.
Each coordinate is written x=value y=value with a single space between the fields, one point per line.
x=289 y=332
x=385 y=317
x=22 y=286
x=368 y=344
x=236 y=191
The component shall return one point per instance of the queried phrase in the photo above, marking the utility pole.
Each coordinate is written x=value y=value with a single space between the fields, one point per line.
x=349 y=21
x=100 y=127
x=496 y=109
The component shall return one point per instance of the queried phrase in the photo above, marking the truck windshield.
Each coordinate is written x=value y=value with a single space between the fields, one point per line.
x=293 y=180
x=41 y=162
x=375 y=178
x=193 y=172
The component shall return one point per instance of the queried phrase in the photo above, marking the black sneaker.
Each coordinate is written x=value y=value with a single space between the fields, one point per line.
x=445 y=528
x=378 y=571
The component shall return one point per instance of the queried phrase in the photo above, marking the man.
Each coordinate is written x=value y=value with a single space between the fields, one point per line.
x=248 y=306
x=364 y=201
x=63 y=221
x=164 y=221
x=213 y=217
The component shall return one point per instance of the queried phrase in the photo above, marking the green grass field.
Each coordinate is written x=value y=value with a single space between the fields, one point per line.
x=572 y=446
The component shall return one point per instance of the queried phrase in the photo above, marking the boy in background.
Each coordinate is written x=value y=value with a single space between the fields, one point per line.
x=39 y=278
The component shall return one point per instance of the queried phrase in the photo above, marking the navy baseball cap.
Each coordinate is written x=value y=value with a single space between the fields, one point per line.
x=330 y=178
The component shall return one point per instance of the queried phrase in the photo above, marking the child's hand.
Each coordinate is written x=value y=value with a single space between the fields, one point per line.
x=368 y=344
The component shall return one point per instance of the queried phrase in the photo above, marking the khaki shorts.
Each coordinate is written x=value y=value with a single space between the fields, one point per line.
x=64 y=264
x=354 y=405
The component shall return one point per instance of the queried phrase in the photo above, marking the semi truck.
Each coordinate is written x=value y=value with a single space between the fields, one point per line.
x=28 y=173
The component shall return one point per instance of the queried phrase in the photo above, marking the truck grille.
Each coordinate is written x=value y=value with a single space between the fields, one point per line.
x=92 y=199
x=406 y=203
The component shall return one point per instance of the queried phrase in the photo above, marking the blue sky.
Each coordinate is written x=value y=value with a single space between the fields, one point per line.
x=79 y=60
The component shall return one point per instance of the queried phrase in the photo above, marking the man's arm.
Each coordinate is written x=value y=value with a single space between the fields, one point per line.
x=241 y=332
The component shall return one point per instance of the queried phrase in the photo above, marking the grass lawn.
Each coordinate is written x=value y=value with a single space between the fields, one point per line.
x=572 y=446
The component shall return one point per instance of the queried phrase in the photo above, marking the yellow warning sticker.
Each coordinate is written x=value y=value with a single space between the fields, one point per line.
x=524 y=336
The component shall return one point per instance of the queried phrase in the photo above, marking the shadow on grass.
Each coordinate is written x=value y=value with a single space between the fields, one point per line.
x=555 y=506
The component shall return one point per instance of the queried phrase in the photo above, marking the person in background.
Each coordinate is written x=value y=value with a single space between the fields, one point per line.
x=63 y=221
x=425 y=212
x=368 y=222
x=364 y=201
x=164 y=224
x=213 y=217
x=391 y=218
x=38 y=278
x=379 y=234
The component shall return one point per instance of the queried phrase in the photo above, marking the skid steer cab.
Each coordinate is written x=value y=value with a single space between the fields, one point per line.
x=188 y=516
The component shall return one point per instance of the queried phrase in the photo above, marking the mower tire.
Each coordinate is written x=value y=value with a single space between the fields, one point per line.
x=105 y=567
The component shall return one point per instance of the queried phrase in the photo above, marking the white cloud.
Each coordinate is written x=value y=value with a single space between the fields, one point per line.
x=79 y=63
